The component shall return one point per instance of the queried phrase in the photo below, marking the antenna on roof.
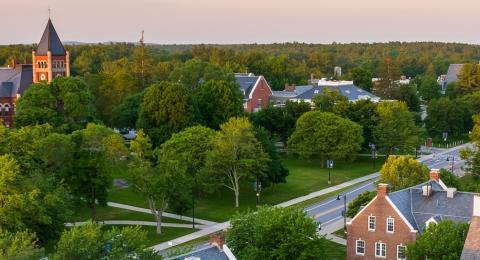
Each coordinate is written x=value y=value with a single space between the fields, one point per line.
x=49 y=12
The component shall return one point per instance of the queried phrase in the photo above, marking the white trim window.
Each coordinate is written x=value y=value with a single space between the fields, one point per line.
x=401 y=252
x=360 y=247
x=390 y=225
x=380 y=249
x=371 y=223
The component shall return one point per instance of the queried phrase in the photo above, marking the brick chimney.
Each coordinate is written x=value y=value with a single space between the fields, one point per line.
x=382 y=190
x=289 y=88
x=435 y=175
x=217 y=240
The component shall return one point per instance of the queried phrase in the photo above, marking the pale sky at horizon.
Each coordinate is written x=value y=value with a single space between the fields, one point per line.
x=247 y=21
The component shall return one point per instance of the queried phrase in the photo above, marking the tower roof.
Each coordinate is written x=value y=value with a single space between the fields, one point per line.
x=50 y=42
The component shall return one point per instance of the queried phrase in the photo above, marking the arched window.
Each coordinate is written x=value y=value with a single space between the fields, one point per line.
x=7 y=108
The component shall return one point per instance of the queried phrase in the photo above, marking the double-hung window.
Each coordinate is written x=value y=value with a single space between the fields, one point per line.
x=371 y=223
x=390 y=225
x=360 y=247
x=401 y=249
x=380 y=249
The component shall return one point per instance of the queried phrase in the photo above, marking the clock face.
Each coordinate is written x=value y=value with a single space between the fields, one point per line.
x=42 y=77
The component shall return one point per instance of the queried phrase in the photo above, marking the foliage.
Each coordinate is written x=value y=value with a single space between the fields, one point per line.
x=90 y=241
x=275 y=233
x=19 y=245
x=403 y=171
x=360 y=201
x=126 y=114
x=388 y=74
x=218 y=100
x=429 y=88
x=166 y=109
x=362 y=78
x=277 y=172
x=450 y=179
x=439 y=241
x=97 y=150
x=236 y=155
x=468 y=79
x=408 y=94
x=395 y=127
x=65 y=103
x=326 y=101
x=280 y=121
x=325 y=135
x=445 y=115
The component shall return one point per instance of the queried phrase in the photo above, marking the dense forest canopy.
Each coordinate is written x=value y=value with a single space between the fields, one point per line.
x=279 y=63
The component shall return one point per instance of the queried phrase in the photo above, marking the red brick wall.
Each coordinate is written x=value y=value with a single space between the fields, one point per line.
x=358 y=230
x=260 y=96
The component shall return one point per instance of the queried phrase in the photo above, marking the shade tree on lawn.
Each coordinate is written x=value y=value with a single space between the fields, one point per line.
x=325 y=136
x=97 y=150
x=154 y=177
x=402 y=172
x=236 y=155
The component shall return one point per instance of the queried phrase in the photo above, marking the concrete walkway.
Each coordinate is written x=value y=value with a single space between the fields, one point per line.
x=226 y=225
x=136 y=223
x=329 y=228
x=165 y=214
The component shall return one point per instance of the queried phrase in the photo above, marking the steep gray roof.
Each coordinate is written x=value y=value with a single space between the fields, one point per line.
x=351 y=92
x=417 y=209
x=452 y=73
x=292 y=94
x=15 y=80
x=50 y=42
x=246 y=83
x=210 y=253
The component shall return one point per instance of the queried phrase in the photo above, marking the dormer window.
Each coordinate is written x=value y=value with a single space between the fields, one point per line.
x=371 y=223
x=390 y=225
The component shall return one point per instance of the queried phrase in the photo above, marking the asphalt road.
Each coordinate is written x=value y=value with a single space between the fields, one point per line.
x=330 y=210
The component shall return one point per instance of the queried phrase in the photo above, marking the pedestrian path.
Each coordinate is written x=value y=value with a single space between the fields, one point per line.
x=136 y=223
x=165 y=214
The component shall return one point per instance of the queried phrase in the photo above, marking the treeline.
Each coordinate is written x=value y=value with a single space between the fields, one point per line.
x=279 y=63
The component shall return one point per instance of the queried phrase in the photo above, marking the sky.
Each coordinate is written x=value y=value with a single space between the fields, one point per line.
x=246 y=21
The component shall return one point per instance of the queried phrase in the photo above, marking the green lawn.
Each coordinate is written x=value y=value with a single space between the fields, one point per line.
x=335 y=251
x=168 y=233
x=340 y=233
x=82 y=213
x=305 y=176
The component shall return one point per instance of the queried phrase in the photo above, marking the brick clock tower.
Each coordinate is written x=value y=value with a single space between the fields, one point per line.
x=50 y=59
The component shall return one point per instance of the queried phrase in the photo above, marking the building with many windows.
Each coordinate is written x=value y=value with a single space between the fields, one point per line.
x=384 y=227
x=49 y=60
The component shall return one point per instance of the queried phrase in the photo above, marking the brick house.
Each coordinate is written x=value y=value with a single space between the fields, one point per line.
x=384 y=227
x=49 y=60
x=256 y=91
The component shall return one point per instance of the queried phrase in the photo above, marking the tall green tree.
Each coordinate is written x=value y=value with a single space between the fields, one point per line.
x=236 y=155
x=362 y=78
x=403 y=172
x=429 y=88
x=97 y=151
x=91 y=241
x=445 y=115
x=166 y=109
x=215 y=109
x=275 y=233
x=389 y=73
x=326 y=136
x=408 y=94
x=468 y=79
x=395 y=127
x=326 y=101
x=19 y=245
x=439 y=241
x=277 y=172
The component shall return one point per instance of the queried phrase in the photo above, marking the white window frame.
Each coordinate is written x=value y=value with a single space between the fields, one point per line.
x=404 y=252
x=356 y=247
x=374 y=223
x=393 y=225
x=382 y=248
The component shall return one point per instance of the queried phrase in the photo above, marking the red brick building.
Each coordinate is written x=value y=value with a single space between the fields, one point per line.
x=48 y=61
x=383 y=228
x=256 y=91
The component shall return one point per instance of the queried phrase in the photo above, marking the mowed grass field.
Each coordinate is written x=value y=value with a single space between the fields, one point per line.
x=306 y=176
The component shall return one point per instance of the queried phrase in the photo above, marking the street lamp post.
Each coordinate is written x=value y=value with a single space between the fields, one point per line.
x=330 y=167
x=192 y=172
x=258 y=188
x=453 y=161
x=374 y=153
x=344 y=212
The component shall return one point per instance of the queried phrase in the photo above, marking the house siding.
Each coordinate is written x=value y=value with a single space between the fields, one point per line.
x=261 y=94
x=358 y=230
